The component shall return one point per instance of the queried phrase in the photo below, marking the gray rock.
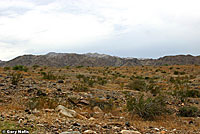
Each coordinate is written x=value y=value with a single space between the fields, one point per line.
x=89 y=132
x=66 y=112
x=129 y=132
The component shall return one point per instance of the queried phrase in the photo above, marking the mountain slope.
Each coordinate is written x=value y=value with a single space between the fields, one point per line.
x=95 y=59
x=67 y=59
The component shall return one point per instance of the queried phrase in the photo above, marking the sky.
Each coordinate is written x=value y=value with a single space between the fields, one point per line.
x=125 y=28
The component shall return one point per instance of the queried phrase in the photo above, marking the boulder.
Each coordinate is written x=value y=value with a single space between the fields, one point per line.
x=66 y=112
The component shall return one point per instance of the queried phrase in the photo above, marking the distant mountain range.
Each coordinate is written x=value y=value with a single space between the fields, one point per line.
x=95 y=59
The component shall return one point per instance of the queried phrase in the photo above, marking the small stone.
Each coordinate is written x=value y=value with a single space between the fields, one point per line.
x=91 y=119
x=157 y=129
x=76 y=124
x=127 y=124
x=191 y=122
x=89 y=132
x=130 y=132
x=162 y=132
x=84 y=102
x=59 y=90
x=97 y=109
x=66 y=112
x=1 y=85
x=60 y=81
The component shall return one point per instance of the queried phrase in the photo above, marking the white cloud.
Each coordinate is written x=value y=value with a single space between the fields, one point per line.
x=50 y=24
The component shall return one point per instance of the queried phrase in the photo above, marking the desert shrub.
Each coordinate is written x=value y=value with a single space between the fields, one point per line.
x=188 y=111
x=192 y=93
x=6 y=68
x=148 y=108
x=153 y=89
x=48 y=76
x=180 y=94
x=172 y=80
x=80 y=76
x=163 y=72
x=182 y=73
x=176 y=72
x=42 y=102
x=35 y=66
x=20 y=68
x=15 y=78
x=101 y=81
x=138 y=85
x=79 y=66
x=80 y=87
x=9 y=125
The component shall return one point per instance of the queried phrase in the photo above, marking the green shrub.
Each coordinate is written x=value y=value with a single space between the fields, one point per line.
x=148 y=108
x=15 y=78
x=42 y=102
x=180 y=94
x=80 y=87
x=153 y=89
x=35 y=66
x=48 y=76
x=176 y=72
x=138 y=85
x=20 y=68
x=193 y=93
x=188 y=111
x=6 y=68
x=80 y=76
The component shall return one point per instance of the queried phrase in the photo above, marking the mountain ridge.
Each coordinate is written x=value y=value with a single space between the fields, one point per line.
x=96 y=59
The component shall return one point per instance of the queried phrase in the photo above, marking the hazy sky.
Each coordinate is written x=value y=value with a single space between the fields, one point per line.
x=127 y=28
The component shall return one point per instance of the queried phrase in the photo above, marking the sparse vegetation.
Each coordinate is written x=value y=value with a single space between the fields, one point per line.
x=42 y=102
x=138 y=85
x=20 y=68
x=148 y=108
x=123 y=95
x=15 y=78
x=188 y=111
x=48 y=76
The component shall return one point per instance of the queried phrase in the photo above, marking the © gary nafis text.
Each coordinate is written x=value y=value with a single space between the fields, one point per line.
x=15 y=132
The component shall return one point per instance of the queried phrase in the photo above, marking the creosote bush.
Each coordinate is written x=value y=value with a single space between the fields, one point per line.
x=48 y=76
x=42 y=102
x=15 y=78
x=80 y=87
x=148 y=108
x=188 y=111
x=20 y=68
x=182 y=95
x=138 y=85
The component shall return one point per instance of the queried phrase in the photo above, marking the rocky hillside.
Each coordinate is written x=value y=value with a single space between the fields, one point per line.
x=95 y=59
x=70 y=59
x=173 y=60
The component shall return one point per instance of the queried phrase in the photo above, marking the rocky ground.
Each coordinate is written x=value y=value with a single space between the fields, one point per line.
x=89 y=100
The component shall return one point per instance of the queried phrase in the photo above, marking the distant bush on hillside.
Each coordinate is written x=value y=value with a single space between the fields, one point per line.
x=20 y=68
x=48 y=76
